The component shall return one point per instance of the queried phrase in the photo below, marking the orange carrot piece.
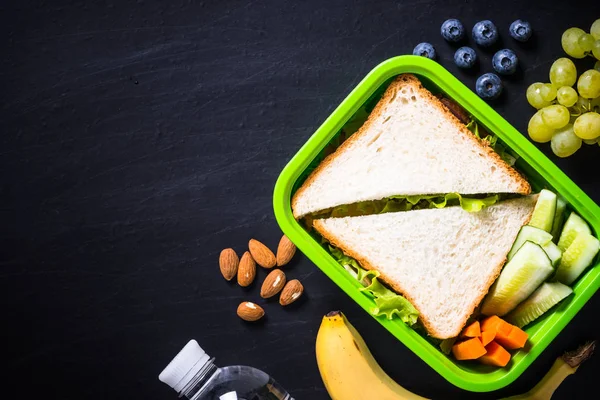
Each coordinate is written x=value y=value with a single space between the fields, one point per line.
x=473 y=330
x=496 y=324
x=496 y=355
x=491 y=323
x=515 y=339
x=487 y=337
x=504 y=328
x=502 y=337
x=468 y=350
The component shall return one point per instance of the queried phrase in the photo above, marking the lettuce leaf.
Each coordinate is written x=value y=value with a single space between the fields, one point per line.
x=407 y=203
x=387 y=302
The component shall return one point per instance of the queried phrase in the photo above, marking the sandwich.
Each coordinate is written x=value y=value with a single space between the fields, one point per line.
x=419 y=200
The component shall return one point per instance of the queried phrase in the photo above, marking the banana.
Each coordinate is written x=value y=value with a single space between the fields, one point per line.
x=348 y=368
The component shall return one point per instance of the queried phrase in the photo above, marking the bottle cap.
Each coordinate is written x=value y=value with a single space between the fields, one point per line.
x=184 y=367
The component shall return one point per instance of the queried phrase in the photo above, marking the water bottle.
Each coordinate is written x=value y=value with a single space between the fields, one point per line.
x=193 y=374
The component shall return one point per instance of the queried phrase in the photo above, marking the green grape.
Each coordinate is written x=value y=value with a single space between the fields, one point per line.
x=567 y=96
x=563 y=72
x=597 y=65
x=589 y=141
x=548 y=92
x=534 y=95
x=538 y=131
x=588 y=84
x=587 y=126
x=570 y=42
x=556 y=116
x=596 y=49
x=564 y=142
x=586 y=42
x=595 y=29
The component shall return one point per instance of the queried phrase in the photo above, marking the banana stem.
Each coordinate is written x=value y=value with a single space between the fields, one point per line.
x=549 y=383
x=562 y=367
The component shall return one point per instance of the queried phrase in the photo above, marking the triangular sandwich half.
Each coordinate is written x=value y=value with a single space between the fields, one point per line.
x=442 y=260
x=411 y=144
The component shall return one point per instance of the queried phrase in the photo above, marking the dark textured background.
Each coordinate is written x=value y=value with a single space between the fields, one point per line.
x=140 y=138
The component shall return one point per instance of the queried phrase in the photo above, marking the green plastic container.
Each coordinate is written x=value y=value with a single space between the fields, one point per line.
x=540 y=171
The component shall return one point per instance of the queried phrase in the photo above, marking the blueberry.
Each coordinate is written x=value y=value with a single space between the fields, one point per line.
x=424 y=50
x=465 y=57
x=452 y=30
x=520 y=30
x=488 y=86
x=485 y=33
x=505 y=62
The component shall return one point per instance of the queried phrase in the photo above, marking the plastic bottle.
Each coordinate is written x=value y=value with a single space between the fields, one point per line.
x=193 y=374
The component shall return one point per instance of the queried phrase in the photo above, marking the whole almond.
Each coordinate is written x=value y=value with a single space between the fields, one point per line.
x=291 y=292
x=228 y=263
x=249 y=311
x=285 y=251
x=261 y=254
x=247 y=270
x=273 y=283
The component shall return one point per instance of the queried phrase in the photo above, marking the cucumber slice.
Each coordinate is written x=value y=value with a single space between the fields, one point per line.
x=532 y=234
x=553 y=252
x=547 y=296
x=529 y=267
x=577 y=258
x=574 y=225
x=543 y=213
x=559 y=217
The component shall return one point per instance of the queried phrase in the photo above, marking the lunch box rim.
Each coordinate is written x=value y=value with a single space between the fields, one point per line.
x=422 y=67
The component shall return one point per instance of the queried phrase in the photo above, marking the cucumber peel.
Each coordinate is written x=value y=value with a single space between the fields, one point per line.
x=532 y=234
x=544 y=298
x=543 y=213
x=578 y=256
x=559 y=217
x=574 y=226
x=521 y=276
x=553 y=252
x=537 y=236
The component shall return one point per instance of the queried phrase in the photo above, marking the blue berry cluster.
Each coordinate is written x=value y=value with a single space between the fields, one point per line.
x=485 y=34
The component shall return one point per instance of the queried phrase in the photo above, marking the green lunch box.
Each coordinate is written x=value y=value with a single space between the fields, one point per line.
x=540 y=172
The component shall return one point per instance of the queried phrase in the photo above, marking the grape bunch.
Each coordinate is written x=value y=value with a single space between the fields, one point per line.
x=568 y=116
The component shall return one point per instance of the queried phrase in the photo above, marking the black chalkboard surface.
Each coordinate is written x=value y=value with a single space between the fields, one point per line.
x=141 y=138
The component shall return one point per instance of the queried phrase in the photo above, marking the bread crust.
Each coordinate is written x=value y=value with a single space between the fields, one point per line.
x=389 y=95
x=397 y=286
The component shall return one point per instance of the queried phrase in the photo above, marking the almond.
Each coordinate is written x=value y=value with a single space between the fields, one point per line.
x=246 y=271
x=285 y=251
x=228 y=263
x=249 y=311
x=273 y=283
x=291 y=292
x=261 y=254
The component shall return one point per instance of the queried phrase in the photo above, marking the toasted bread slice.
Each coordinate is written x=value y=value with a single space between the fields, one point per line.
x=442 y=260
x=411 y=144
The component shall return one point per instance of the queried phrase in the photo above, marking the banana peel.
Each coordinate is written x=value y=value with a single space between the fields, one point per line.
x=349 y=370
